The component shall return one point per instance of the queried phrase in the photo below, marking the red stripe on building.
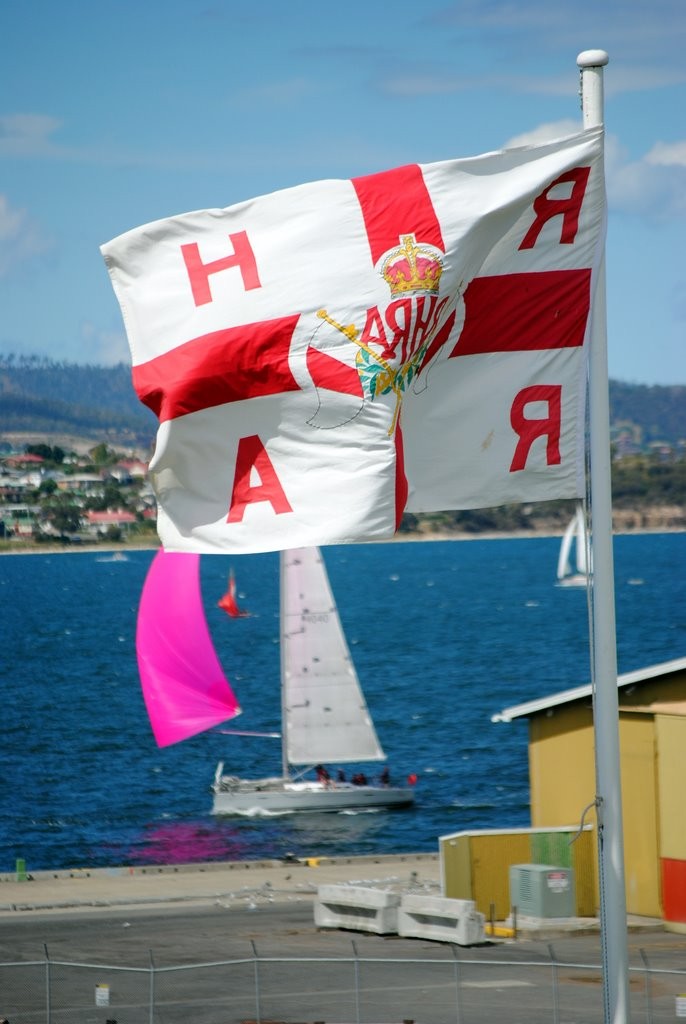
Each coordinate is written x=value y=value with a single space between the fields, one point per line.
x=673 y=889
x=396 y=203
x=224 y=366
x=525 y=312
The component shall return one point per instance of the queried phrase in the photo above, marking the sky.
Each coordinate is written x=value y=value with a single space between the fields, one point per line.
x=113 y=115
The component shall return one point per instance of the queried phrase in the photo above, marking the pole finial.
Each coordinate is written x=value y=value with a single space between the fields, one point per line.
x=592 y=59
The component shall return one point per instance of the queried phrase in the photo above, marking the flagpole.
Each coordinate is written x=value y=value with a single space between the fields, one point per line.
x=613 y=922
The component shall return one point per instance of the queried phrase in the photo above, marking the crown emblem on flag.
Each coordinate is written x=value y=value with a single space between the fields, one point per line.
x=412 y=267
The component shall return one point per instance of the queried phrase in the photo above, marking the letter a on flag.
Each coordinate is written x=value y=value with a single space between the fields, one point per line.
x=327 y=357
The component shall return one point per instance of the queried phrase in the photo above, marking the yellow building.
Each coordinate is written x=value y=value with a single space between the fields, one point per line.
x=652 y=740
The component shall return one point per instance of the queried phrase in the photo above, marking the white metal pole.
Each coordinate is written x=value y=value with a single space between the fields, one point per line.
x=613 y=920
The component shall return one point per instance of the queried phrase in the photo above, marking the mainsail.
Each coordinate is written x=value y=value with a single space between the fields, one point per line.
x=183 y=684
x=325 y=717
x=574 y=546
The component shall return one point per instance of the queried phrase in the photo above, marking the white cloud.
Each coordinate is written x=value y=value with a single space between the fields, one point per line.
x=544 y=133
x=653 y=186
x=274 y=94
x=102 y=348
x=444 y=84
x=668 y=154
x=20 y=238
x=27 y=134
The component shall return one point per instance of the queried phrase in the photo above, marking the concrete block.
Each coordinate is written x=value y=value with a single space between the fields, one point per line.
x=358 y=908
x=441 y=919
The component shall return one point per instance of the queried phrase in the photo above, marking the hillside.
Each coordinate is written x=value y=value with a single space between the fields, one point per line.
x=77 y=407
x=648 y=415
x=41 y=397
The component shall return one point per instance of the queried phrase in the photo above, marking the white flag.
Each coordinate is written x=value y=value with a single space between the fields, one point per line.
x=324 y=358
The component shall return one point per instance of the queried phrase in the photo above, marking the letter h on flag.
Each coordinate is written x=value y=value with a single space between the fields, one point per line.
x=325 y=358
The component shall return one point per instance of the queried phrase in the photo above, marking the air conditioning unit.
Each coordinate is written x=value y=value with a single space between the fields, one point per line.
x=542 y=890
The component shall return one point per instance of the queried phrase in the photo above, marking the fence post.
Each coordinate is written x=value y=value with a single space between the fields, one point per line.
x=151 y=998
x=256 y=968
x=48 y=996
x=556 y=1003
x=357 y=983
x=649 y=986
x=458 y=1007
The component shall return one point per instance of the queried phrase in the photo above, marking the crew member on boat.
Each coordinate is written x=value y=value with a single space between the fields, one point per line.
x=322 y=775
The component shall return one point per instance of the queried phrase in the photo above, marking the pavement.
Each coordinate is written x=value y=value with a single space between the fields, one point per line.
x=236 y=942
x=255 y=883
x=204 y=884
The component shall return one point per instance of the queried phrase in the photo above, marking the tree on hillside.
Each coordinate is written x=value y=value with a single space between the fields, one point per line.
x=102 y=454
x=62 y=514
x=51 y=453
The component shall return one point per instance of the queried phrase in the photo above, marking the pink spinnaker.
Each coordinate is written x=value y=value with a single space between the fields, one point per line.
x=184 y=686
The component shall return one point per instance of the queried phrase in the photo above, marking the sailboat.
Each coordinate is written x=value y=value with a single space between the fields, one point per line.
x=228 y=600
x=573 y=560
x=325 y=719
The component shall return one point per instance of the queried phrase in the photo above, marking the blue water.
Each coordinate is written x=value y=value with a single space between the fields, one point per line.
x=443 y=634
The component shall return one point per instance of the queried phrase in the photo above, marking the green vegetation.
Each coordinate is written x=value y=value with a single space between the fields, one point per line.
x=649 y=414
x=46 y=398
x=648 y=480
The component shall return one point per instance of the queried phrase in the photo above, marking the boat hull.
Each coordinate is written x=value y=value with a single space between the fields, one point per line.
x=283 y=796
x=577 y=580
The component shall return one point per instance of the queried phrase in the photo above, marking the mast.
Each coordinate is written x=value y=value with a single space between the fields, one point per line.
x=282 y=646
x=613 y=923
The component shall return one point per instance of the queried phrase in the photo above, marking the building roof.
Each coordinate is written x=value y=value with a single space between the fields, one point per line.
x=24 y=460
x=111 y=517
x=554 y=700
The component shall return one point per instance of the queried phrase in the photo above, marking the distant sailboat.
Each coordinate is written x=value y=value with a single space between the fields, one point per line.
x=573 y=560
x=184 y=687
x=228 y=601
x=324 y=714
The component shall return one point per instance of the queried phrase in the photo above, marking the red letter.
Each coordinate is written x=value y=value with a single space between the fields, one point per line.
x=252 y=454
x=374 y=323
x=243 y=257
x=529 y=430
x=401 y=332
x=568 y=209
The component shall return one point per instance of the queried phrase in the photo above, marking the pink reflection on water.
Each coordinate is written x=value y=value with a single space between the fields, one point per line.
x=188 y=843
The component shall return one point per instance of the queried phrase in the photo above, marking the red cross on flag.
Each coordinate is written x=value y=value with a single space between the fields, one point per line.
x=324 y=358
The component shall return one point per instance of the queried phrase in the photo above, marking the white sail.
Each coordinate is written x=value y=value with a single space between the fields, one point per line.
x=564 y=567
x=325 y=717
x=572 y=563
x=323 y=712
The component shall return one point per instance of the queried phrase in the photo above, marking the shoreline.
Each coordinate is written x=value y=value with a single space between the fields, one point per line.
x=412 y=538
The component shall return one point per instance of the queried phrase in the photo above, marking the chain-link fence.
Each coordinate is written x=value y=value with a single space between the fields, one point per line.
x=452 y=986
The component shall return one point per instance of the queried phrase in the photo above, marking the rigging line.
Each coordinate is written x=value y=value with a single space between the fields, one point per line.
x=246 y=732
x=590 y=601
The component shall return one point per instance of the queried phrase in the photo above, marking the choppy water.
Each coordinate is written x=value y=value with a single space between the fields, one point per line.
x=443 y=634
